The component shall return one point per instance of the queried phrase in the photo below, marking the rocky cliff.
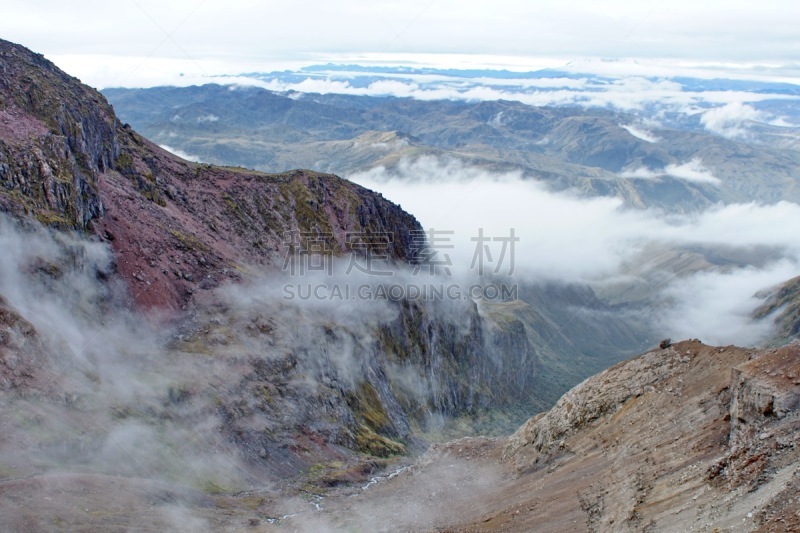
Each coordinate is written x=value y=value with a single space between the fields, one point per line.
x=198 y=251
x=783 y=306
x=66 y=160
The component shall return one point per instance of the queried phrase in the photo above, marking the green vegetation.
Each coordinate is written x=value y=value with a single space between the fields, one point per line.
x=308 y=213
x=374 y=424
x=54 y=220
x=124 y=163
x=367 y=441
x=189 y=241
x=210 y=486
x=235 y=209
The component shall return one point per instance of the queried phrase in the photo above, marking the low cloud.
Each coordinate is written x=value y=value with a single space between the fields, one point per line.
x=640 y=133
x=630 y=94
x=730 y=120
x=181 y=153
x=716 y=307
x=568 y=238
x=99 y=388
x=693 y=171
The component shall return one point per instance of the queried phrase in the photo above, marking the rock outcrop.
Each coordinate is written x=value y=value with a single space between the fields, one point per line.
x=597 y=398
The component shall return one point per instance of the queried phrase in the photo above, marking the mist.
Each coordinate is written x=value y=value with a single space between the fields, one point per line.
x=92 y=394
x=174 y=417
x=567 y=238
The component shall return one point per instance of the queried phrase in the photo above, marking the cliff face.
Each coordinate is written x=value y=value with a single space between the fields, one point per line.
x=56 y=137
x=711 y=431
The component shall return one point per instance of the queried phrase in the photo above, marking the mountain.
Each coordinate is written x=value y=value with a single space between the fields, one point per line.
x=593 y=151
x=180 y=265
x=147 y=346
x=66 y=160
x=179 y=231
x=783 y=304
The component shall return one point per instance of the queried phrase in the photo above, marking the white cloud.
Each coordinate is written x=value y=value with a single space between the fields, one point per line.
x=640 y=133
x=181 y=153
x=716 y=306
x=634 y=94
x=693 y=171
x=207 y=118
x=235 y=28
x=643 y=173
x=730 y=120
x=568 y=238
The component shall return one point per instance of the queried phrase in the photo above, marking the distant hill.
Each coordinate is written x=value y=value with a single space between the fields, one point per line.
x=595 y=152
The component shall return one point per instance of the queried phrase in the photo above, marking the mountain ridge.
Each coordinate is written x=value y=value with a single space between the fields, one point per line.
x=585 y=150
x=74 y=165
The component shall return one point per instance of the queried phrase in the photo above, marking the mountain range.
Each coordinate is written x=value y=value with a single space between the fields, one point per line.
x=594 y=151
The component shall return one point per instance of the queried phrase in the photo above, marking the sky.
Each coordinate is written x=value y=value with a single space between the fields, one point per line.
x=144 y=42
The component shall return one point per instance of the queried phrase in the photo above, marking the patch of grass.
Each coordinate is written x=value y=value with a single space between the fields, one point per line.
x=374 y=426
x=54 y=220
x=189 y=241
x=213 y=487
x=238 y=211
x=369 y=442
x=124 y=163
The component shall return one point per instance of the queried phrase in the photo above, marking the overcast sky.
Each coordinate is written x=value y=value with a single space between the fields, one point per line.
x=134 y=42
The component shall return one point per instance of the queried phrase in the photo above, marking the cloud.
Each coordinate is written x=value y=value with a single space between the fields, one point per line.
x=693 y=171
x=716 y=307
x=687 y=30
x=633 y=94
x=639 y=133
x=103 y=377
x=730 y=120
x=568 y=238
x=181 y=153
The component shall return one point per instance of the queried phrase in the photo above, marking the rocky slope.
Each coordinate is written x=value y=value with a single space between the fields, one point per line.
x=686 y=438
x=67 y=160
x=182 y=232
x=152 y=377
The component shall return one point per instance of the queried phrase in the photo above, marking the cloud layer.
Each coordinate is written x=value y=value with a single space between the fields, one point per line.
x=571 y=239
